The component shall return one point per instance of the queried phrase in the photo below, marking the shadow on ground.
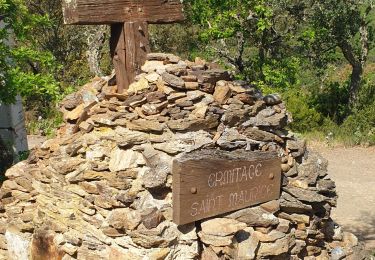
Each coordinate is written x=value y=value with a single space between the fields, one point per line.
x=364 y=231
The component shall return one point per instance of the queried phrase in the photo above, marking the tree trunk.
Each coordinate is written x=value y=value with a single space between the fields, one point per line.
x=357 y=70
x=96 y=36
x=355 y=84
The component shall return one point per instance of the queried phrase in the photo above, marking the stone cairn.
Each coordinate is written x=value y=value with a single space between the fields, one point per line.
x=103 y=188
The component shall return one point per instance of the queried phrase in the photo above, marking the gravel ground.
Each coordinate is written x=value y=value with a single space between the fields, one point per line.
x=353 y=170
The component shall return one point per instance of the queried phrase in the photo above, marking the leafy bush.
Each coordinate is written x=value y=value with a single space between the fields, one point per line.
x=331 y=100
x=25 y=68
x=305 y=117
x=46 y=125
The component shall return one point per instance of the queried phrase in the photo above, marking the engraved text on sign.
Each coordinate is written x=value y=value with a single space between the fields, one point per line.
x=208 y=183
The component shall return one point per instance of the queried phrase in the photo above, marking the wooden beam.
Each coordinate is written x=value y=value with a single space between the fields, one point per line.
x=117 y=47
x=129 y=46
x=120 y=11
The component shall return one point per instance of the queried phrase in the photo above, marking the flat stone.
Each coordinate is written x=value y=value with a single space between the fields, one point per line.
x=241 y=88
x=208 y=122
x=295 y=218
x=123 y=159
x=173 y=81
x=283 y=225
x=271 y=206
x=299 y=247
x=176 y=96
x=159 y=165
x=209 y=254
x=86 y=127
x=270 y=237
x=247 y=244
x=222 y=227
x=192 y=85
x=155 y=97
x=211 y=76
x=130 y=137
x=184 y=142
x=139 y=85
x=260 y=135
x=194 y=95
x=222 y=94
x=75 y=114
x=184 y=102
x=200 y=110
x=151 y=218
x=254 y=216
x=297 y=147
x=66 y=165
x=145 y=125
x=189 y=78
x=305 y=194
x=135 y=100
x=124 y=218
x=257 y=107
x=159 y=254
x=277 y=247
x=290 y=204
x=152 y=65
x=177 y=69
x=276 y=120
x=230 y=137
x=163 y=57
x=245 y=98
x=153 y=109
x=272 y=99
x=215 y=240
x=152 y=77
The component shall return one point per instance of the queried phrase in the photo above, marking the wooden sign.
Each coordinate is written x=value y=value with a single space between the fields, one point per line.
x=129 y=21
x=211 y=182
x=119 y=11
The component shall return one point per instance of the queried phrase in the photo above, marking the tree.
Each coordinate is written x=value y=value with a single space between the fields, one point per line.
x=343 y=24
x=252 y=36
x=25 y=69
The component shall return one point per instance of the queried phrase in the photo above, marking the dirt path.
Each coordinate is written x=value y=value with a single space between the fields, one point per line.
x=353 y=170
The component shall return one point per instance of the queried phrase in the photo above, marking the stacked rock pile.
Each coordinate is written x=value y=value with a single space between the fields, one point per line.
x=103 y=188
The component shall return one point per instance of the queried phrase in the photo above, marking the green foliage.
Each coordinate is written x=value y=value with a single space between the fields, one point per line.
x=251 y=36
x=46 y=125
x=305 y=117
x=331 y=100
x=279 y=76
x=180 y=39
x=26 y=69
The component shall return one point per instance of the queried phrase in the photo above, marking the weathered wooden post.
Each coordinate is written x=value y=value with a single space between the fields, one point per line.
x=129 y=34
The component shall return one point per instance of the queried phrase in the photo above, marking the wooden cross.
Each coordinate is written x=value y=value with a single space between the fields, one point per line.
x=129 y=28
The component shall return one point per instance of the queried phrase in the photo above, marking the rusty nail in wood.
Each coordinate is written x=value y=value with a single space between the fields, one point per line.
x=193 y=190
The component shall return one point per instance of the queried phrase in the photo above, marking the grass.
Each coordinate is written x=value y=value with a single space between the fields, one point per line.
x=45 y=126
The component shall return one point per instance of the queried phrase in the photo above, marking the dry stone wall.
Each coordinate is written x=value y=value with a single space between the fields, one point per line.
x=103 y=188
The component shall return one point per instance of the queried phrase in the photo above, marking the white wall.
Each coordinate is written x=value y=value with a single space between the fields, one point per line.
x=12 y=123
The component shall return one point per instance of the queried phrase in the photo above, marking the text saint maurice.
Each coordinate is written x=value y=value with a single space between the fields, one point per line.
x=242 y=197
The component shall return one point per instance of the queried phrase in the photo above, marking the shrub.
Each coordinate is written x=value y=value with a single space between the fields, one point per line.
x=305 y=117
